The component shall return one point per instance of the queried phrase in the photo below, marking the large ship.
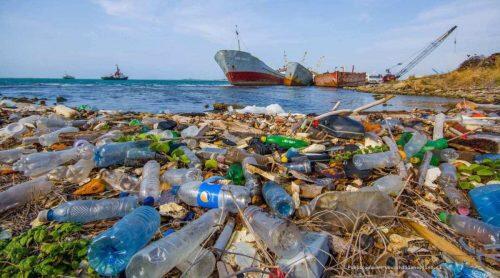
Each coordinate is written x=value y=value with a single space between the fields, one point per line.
x=340 y=79
x=243 y=69
x=118 y=75
x=297 y=75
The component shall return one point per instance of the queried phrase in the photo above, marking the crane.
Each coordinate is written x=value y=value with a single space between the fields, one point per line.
x=421 y=55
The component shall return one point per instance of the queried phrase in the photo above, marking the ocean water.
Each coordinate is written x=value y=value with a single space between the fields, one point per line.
x=198 y=95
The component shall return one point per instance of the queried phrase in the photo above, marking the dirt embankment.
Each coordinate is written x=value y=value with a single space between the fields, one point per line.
x=476 y=79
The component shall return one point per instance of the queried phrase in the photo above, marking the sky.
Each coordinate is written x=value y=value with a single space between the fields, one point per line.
x=167 y=39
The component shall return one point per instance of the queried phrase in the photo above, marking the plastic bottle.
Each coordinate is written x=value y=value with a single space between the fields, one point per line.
x=12 y=155
x=120 y=181
x=424 y=167
x=448 y=175
x=234 y=155
x=393 y=147
x=76 y=173
x=200 y=264
x=438 y=144
x=116 y=153
x=447 y=155
x=235 y=174
x=342 y=127
x=209 y=195
x=138 y=156
x=224 y=237
x=163 y=134
x=212 y=153
x=22 y=193
x=416 y=143
x=110 y=252
x=284 y=141
x=480 y=158
x=52 y=122
x=13 y=130
x=150 y=183
x=181 y=176
x=438 y=126
x=375 y=160
x=278 y=199
x=300 y=166
x=194 y=161
x=108 y=137
x=159 y=257
x=84 y=211
x=251 y=182
x=53 y=137
x=486 y=200
x=448 y=181
x=278 y=234
x=38 y=163
x=390 y=184
x=467 y=226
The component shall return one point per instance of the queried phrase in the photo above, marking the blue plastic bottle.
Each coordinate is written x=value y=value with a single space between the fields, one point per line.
x=119 y=153
x=83 y=211
x=486 y=200
x=277 y=198
x=480 y=158
x=110 y=252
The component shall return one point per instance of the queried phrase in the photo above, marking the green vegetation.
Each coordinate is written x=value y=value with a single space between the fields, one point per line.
x=478 y=173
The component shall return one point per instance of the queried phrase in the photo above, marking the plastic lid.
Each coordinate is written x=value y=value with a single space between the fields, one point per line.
x=443 y=217
x=148 y=201
x=263 y=139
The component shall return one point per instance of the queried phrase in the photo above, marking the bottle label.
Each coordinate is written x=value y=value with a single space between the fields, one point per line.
x=208 y=195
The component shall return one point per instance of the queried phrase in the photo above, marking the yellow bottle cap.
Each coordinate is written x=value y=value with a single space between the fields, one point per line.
x=263 y=139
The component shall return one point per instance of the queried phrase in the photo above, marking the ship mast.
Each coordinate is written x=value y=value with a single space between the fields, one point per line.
x=238 y=37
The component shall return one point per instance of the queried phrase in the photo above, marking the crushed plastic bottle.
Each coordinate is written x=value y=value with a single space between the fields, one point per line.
x=416 y=143
x=284 y=141
x=110 y=251
x=279 y=235
x=120 y=181
x=181 y=176
x=375 y=160
x=486 y=200
x=119 y=153
x=84 y=211
x=22 y=193
x=39 y=163
x=53 y=137
x=278 y=199
x=194 y=161
x=12 y=155
x=159 y=257
x=477 y=229
x=150 y=182
x=50 y=123
x=76 y=173
x=108 y=137
x=234 y=155
x=390 y=184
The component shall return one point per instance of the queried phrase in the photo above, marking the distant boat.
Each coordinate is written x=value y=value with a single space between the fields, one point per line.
x=118 y=75
x=340 y=79
x=67 y=76
x=297 y=75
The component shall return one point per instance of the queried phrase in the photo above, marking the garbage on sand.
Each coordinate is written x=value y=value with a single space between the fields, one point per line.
x=258 y=192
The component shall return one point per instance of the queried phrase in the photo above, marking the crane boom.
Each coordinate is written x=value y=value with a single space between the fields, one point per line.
x=424 y=53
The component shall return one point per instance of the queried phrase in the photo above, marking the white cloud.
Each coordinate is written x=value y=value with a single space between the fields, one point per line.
x=145 y=10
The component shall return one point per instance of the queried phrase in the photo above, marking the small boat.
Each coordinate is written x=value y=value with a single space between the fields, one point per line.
x=67 y=76
x=297 y=75
x=374 y=79
x=340 y=79
x=118 y=75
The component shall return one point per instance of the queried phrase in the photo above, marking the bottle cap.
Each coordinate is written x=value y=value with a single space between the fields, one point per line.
x=443 y=217
x=148 y=201
x=284 y=159
x=43 y=216
x=263 y=139
x=402 y=154
x=175 y=189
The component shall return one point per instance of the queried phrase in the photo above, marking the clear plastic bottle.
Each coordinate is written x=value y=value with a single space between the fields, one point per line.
x=84 y=211
x=120 y=181
x=486 y=200
x=22 y=193
x=116 y=153
x=194 y=161
x=251 y=182
x=467 y=226
x=13 y=130
x=280 y=235
x=212 y=153
x=12 y=155
x=50 y=123
x=278 y=199
x=53 y=137
x=181 y=176
x=375 y=160
x=150 y=181
x=159 y=257
x=447 y=155
x=110 y=251
x=448 y=182
x=438 y=132
x=390 y=184
x=76 y=173
x=235 y=154
x=163 y=134
x=448 y=175
x=416 y=143
x=393 y=147
x=424 y=167
x=224 y=237
x=39 y=163
x=108 y=137
x=209 y=195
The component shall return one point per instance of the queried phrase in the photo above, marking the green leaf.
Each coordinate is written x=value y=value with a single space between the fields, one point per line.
x=465 y=185
x=40 y=235
x=184 y=159
x=161 y=147
x=475 y=178
x=177 y=152
x=485 y=172
x=211 y=164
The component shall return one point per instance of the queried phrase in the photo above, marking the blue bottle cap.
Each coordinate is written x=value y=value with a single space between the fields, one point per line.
x=50 y=215
x=123 y=194
x=189 y=216
x=168 y=232
x=148 y=201
x=175 y=189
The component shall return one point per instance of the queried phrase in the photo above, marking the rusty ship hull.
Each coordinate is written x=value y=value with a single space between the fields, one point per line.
x=243 y=69
x=340 y=79
x=297 y=75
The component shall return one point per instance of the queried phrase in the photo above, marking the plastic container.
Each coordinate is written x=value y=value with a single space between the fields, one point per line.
x=116 y=153
x=22 y=193
x=210 y=195
x=38 y=163
x=51 y=138
x=438 y=132
x=194 y=161
x=390 y=184
x=284 y=141
x=110 y=252
x=84 y=211
x=76 y=173
x=467 y=226
x=52 y=122
x=342 y=127
x=251 y=180
x=375 y=160
x=181 y=176
x=300 y=166
x=278 y=234
x=278 y=199
x=486 y=200
x=159 y=257
x=234 y=155
x=120 y=181
x=150 y=182
x=416 y=143
x=12 y=155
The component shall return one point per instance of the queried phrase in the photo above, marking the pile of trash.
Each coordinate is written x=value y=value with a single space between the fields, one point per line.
x=251 y=192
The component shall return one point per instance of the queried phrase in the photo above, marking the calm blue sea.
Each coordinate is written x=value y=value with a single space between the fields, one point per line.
x=197 y=95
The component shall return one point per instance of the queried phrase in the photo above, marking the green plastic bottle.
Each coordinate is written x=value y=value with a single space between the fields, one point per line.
x=438 y=144
x=418 y=157
x=284 y=141
x=235 y=173
x=405 y=137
